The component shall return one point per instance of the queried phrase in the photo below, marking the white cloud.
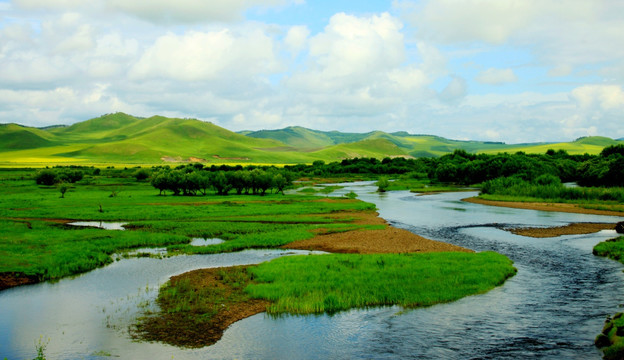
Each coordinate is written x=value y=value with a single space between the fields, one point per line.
x=205 y=56
x=494 y=76
x=492 y=21
x=561 y=36
x=455 y=91
x=159 y=11
x=599 y=97
x=297 y=38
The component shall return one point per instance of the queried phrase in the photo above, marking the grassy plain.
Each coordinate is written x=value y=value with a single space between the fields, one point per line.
x=36 y=242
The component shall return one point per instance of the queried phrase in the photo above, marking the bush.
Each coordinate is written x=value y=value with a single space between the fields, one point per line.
x=46 y=177
x=141 y=174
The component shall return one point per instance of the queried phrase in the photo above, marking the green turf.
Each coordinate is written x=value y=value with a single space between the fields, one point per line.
x=33 y=242
x=330 y=283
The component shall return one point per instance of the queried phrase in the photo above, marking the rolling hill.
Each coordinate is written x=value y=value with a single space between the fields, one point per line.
x=128 y=140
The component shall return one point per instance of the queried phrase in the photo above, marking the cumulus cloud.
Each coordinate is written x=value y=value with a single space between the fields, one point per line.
x=599 y=97
x=494 y=76
x=492 y=21
x=159 y=11
x=455 y=91
x=561 y=37
x=297 y=39
x=69 y=60
x=205 y=56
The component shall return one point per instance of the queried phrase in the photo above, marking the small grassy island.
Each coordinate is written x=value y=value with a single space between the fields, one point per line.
x=200 y=304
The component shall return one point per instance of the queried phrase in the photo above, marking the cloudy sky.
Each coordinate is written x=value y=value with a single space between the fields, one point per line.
x=500 y=70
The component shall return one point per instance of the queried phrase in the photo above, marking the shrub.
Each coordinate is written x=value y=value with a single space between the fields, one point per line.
x=46 y=177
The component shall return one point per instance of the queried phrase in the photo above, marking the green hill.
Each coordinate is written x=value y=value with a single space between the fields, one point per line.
x=14 y=137
x=124 y=139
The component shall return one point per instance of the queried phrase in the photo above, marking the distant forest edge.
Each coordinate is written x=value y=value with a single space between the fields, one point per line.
x=124 y=139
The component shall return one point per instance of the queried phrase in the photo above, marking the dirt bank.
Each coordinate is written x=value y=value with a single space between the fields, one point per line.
x=388 y=240
x=180 y=331
x=542 y=206
x=571 y=229
x=188 y=329
x=11 y=279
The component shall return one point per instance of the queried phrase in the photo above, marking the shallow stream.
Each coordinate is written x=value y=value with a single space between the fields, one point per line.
x=553 y=308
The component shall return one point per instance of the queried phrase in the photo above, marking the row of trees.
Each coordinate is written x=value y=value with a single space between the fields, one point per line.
x=460 y=167
x=193 y=181
x=56 y=176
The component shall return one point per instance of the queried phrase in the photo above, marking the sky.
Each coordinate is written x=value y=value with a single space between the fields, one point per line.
x=493 y=70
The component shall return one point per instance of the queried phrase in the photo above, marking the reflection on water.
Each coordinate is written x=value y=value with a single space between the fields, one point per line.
x=99 y=224
x=206 y=242
x=553 y=307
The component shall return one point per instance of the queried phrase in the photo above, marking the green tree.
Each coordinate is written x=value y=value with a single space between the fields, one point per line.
x=383 y=184
x=141 y=174
x=63 y=187
x=280 y=182
x=46 y=177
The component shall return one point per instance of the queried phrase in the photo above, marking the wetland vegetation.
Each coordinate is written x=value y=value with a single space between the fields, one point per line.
x=38 y=245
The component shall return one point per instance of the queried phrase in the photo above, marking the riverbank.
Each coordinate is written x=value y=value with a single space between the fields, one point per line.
x=196 y=307
x=570 y=229
x=387 y=240
x=225 y=301
x=544 y=206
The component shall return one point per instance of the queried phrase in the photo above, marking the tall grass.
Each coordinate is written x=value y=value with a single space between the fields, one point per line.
x=31 y=244
x=330 y=283
x=516 y=188
x=611 y=340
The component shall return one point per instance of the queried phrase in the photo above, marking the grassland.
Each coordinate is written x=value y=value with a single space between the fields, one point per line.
x=36 y=242
x=330 y=283
x=124 y=139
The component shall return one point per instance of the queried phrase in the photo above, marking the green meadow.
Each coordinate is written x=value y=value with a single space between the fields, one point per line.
x=36 y=241
x=330 y=283
x=126 y=140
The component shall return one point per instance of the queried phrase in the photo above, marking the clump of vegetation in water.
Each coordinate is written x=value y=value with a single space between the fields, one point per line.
x=330 y=283
x=197 y=306
x=613 y=249
x=611 y=340
x=382 y=184
x=550 y=189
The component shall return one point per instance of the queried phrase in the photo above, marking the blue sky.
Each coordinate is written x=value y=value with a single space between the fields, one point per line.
x=497 y=70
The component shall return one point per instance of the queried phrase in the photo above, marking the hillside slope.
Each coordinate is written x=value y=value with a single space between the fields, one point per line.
x=125 y=139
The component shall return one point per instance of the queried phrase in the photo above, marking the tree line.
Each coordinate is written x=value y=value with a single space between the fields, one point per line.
x=195 y=180
x=459 y=167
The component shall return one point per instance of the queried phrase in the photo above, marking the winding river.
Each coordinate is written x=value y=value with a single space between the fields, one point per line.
x=553 y=308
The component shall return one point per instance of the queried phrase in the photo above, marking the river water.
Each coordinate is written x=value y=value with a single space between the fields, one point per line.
x=553 y=308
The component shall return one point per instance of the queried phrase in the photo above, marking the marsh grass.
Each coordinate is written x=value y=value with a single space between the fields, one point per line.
x=34 y=241
x=611 y=340
x=331 y=283
x=196 y=307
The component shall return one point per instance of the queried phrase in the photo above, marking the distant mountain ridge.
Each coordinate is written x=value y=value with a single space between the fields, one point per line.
x=125 y=139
